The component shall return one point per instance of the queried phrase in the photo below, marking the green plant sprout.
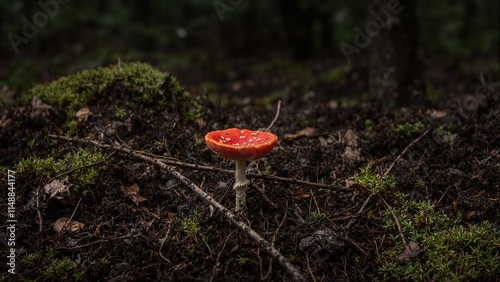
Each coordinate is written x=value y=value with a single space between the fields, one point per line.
x=446 y=135
x=190 y=225
x=158 y=144
x=120 y=112
x=369 y=125
x=314 y=216
x=267 y=170
x=408 y=129
x=373 y=182
x=420 y=183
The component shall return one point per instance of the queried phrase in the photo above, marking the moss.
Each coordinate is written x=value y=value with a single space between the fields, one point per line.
x=453 y=252
x=373 y=182
x=409 y=129
x=82 y=177
x=60 y=268
x=138 y=80
x=38 y=166
x=57 y=269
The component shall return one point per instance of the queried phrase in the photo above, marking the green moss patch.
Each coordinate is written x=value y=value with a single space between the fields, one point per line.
x=82 y=175
x=137 y=80
x=452 y=251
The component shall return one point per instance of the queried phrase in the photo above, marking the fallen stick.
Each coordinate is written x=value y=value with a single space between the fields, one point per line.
x=172 y=162
x=261 y=242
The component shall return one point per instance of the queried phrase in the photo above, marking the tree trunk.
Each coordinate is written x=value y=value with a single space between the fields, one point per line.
x=395 y=72
x=298 y=21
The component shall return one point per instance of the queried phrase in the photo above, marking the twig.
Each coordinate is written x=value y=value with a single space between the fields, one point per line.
x=97 y=242
x=275 y=117
x=356 y=245
x=39 y=214
x=442 y=196
x=214 y=270
x=407 y=248
x=161 y=246
x=279 y=226
x=405 y=150
x=365 y=203
x=264 y=196
x=309 y=268
x=171 y=162
x=274 y=239
x=257 y=176
x=360 y=212
x=80 y=167
x=71 y=217
x=261 y=242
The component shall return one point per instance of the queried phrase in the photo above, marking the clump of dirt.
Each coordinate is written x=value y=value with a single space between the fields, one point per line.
x=140 y=222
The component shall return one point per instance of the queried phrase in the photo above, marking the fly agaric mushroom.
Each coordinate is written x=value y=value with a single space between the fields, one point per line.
x=241 y=145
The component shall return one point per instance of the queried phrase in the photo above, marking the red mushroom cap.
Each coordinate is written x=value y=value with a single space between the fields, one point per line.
x=237 y=144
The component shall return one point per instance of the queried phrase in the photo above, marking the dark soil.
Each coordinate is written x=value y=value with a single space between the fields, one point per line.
x=122 y=240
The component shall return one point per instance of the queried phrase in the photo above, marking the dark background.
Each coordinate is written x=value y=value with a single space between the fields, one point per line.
x=456 y=39
x=444 y=156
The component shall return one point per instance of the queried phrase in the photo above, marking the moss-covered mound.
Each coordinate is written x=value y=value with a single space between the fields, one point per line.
x=134 y=80
x=107 y=99
x=128 y=101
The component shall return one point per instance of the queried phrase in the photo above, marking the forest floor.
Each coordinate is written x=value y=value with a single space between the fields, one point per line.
x=405 y=194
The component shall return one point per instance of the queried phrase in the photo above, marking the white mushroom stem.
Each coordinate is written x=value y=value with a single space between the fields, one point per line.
x=241 y=184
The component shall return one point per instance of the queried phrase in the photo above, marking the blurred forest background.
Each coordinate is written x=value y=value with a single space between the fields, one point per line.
x=210 y=43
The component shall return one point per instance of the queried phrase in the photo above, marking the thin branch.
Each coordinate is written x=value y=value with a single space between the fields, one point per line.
x=80 y=167
x=161 y=246
x=257 y=176
x=172 y=162
x=360 y=212
x=39 y=214
x=264 y=196
x=405 y=150
x=68 y=222
x=261 y=242
x=214 y=269
x=365 y=203
x=275 y=117
x=97 y=242
x=407 y=248
x=274 y=240
x=309 y=268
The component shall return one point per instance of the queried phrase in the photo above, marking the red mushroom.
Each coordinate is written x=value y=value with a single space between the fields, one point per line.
x=241 y=145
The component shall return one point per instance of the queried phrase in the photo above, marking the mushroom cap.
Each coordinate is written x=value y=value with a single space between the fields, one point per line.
x=237 y=144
